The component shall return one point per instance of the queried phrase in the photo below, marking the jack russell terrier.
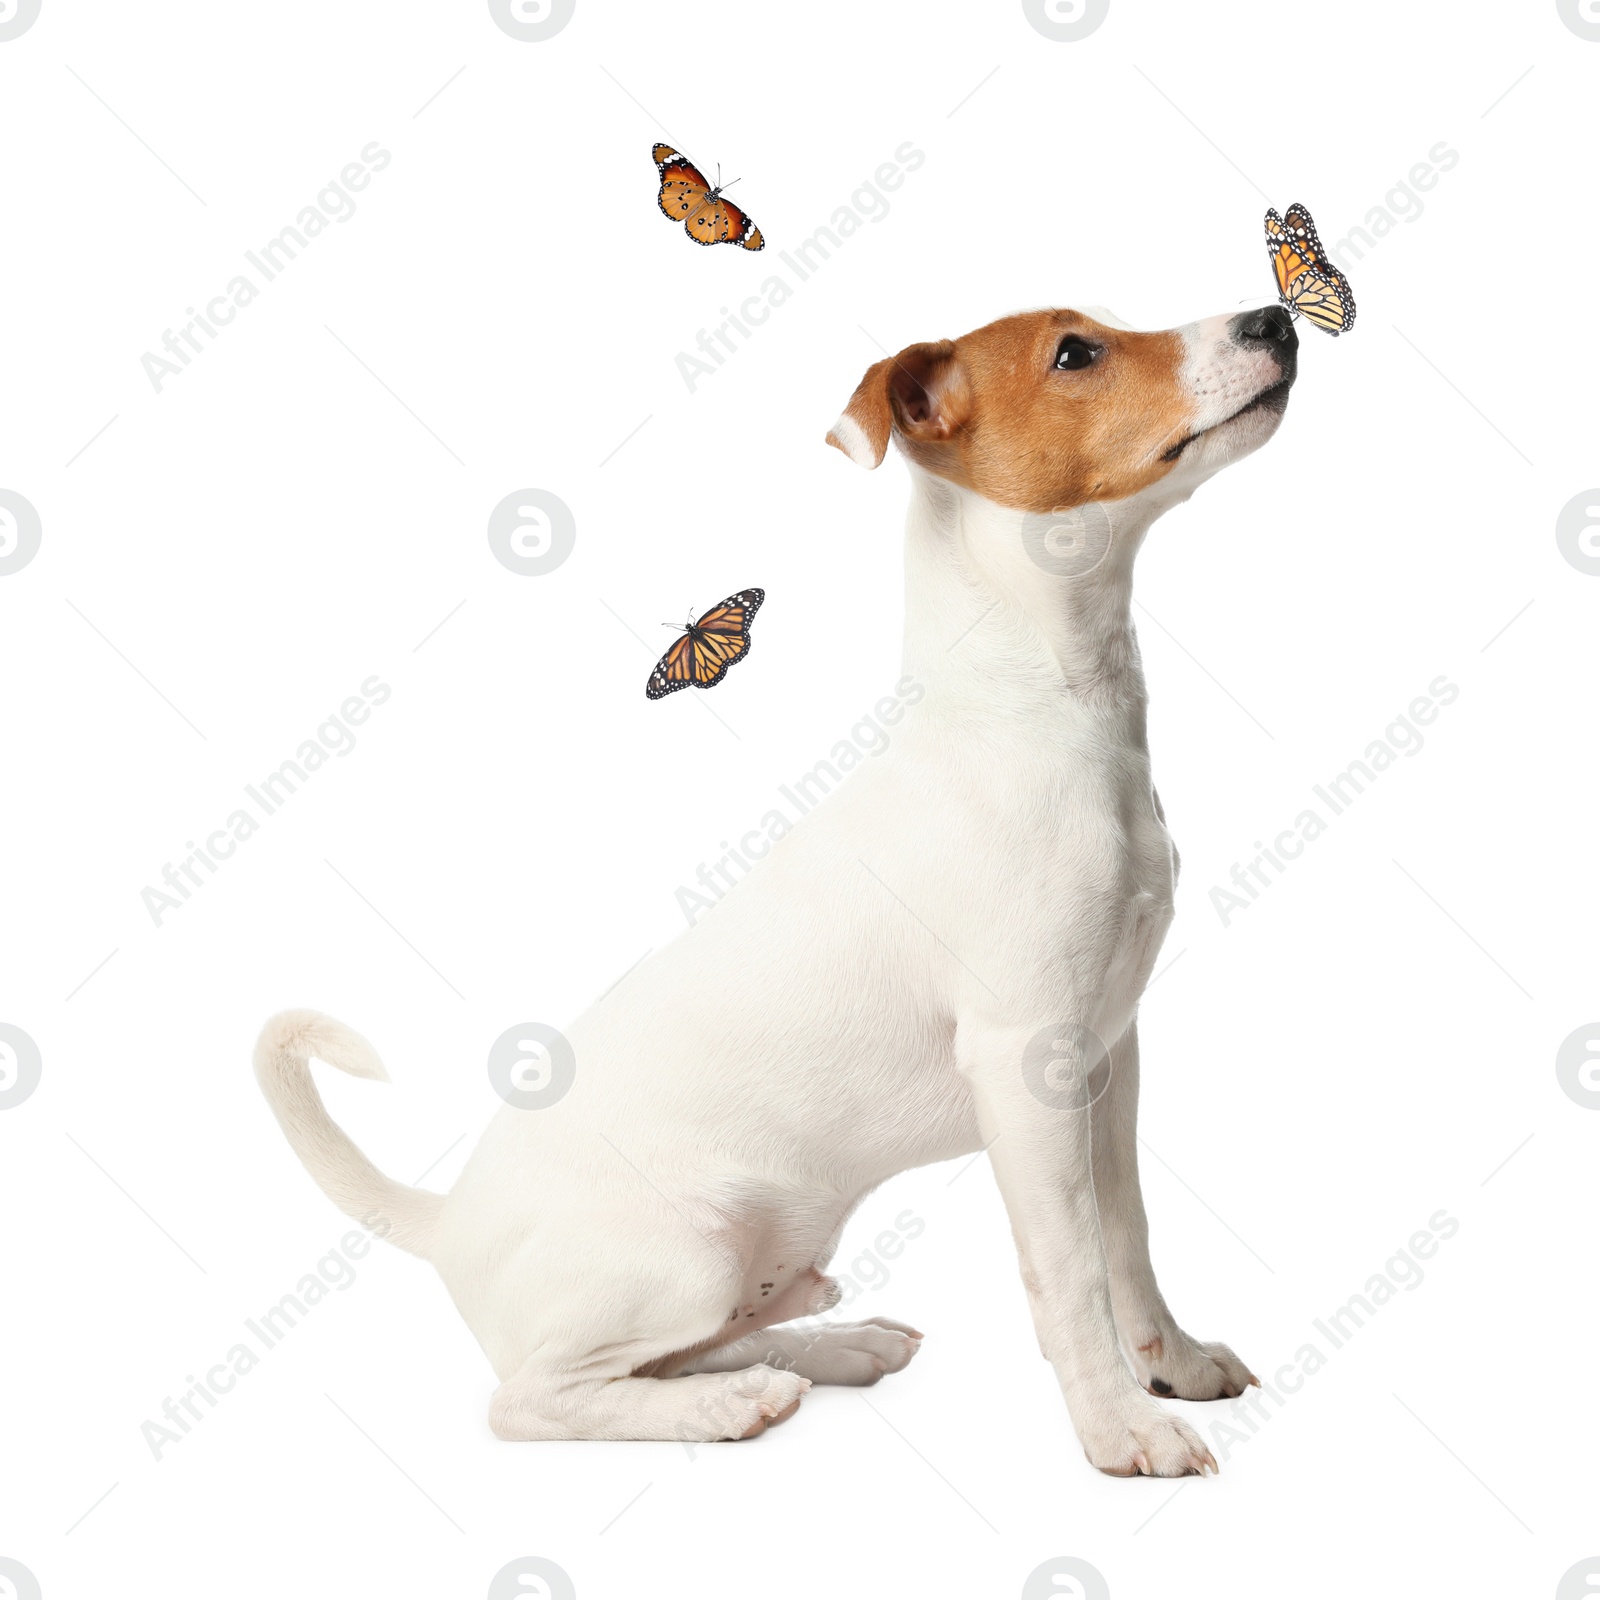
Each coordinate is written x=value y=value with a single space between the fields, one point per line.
x=947 y=957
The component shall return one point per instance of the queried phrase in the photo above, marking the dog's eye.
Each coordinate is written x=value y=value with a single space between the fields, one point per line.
x=1075 y=354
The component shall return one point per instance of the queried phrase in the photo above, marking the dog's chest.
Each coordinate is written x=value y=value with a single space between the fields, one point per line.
x=1105 y=869
x=1125 y=875
x=1091 y=793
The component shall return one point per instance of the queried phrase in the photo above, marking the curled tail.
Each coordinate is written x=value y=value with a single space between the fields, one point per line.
x=403 y=1215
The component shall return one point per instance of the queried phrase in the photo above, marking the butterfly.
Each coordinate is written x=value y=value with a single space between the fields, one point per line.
x=709 y=646
x=686 y=197
x=1308 y=284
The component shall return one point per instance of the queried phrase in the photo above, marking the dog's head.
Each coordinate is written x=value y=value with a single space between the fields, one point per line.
x=1053 y=409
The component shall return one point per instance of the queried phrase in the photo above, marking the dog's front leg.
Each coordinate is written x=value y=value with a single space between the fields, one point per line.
x=1038 y=1133
x=1166 y=1358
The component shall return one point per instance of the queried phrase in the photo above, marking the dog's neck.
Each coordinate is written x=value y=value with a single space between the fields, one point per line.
x=991 y=631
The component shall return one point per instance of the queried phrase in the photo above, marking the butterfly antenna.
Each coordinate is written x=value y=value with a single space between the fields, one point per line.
x=728 y=185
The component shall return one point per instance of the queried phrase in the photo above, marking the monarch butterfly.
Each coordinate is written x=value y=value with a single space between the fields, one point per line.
x=686 y=197
x=1308 y=284
x=709 y=646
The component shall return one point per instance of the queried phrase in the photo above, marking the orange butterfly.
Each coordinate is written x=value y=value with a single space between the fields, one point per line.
x=686 y=197
x=1309 y=285
x=708 y=647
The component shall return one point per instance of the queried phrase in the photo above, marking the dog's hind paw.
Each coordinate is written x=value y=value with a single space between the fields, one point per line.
x=855 y=1353
x=759 y=1398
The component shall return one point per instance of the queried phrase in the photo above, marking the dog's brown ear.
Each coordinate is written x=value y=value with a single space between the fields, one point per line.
x=921 y=391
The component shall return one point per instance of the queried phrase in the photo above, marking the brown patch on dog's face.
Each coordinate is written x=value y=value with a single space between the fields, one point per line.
x=1044 y=411
x=1054 y=409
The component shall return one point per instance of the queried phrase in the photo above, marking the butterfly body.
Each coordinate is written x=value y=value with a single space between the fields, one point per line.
x=709 y=646
x=688 y=198
x=1309 y=285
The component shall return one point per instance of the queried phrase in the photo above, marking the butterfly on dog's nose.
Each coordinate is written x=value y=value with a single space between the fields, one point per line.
x=709 y=646
x=686 y=197
x=1309 y=285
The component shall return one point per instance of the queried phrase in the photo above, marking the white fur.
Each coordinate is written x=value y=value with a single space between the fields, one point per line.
x=855 y=444
x=1221 y=376
x=860 y=1004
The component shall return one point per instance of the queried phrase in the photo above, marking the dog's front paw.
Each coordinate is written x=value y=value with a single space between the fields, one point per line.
x=1142 y=1439
x=1180 y=1368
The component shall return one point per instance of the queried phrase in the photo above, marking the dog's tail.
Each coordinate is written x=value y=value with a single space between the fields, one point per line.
x=404 y=1216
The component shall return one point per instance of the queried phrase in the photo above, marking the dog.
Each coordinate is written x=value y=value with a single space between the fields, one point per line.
x=946 y=957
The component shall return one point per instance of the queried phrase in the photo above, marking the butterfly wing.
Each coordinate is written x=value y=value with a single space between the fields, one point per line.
x=1308 y=284
x=710 y=224
x=1298 y=221
x=664 y=155
x=722 y=222
x=1286 y=261
x=684 y=190
x=733 y=615
x=1323 y=298
x=674 y=671
x=713 y=656
x=725 y=636
x=1289 y=258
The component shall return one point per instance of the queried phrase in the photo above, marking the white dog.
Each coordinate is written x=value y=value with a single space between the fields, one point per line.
x=946 y=957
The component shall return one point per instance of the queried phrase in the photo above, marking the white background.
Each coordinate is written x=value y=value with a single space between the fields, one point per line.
x=1373 y=1041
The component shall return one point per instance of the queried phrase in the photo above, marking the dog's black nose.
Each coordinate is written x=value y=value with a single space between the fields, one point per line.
x=1270 y=325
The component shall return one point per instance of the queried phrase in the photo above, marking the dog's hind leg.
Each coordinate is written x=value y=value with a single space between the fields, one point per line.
x=591 y=1345
x=854 y=1353
x=1165 y=1358
x=536 y=1403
